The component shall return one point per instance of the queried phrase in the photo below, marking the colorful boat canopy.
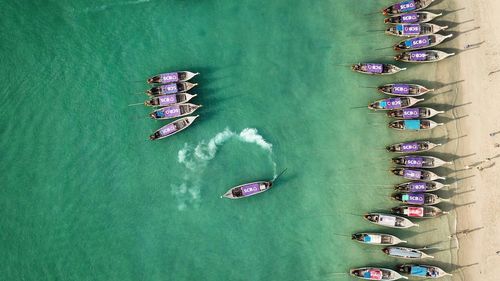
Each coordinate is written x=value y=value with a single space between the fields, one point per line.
x=409 y=147
x=408 y=29
x=373 y=274
x=411 y=113
x=412 y=174
x=419 y=42
x=414 y=161
x=374 y=67
x=401 y=89
x=409 y=18
x=169 y=77
x=392 y=103
x=169 y=88
x=169 y=112
x=417 y=186
x=414 y=198
x=250 y=189
x=416 y=212
x=406 y=6
x=167 y=99
x=412 y=124
x=418 y=56
x=168 y=130
x=418 y=271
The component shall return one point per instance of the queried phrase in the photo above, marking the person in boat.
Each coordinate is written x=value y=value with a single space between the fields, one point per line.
x=395 y=113
x=152 y=102
x=399 y=222
x=237 y=192
x=424 y=125
x=399 y=161
x=154 y=79
x=155 y=136
x=372 y=218
x=391 y=148
x=158 y=114
x=386 y=251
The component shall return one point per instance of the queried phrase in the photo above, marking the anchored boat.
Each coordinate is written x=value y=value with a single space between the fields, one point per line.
x=172 y=77
x=166 y=100
x=407 y=6
x=250 y=189
x=411 y=147
x=421 y=212
x=416 y=161
x=172 y=88
x=412 y=113
x=376 y=239
x=418 y=17
x=408 y=90
x=414 y=125
x=421 y=42
x=422 y=271
x=423 y=56
x=174 y=111
x=416 y=174
x=376 y=273
x=419 y=186
x=416 y=29
x=389 y=220
x=405 y=253
x=376 y=68
x=393 y=103
x=418 y=198
x=173 y=128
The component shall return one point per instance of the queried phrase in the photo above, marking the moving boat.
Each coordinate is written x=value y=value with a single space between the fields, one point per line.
x=376 y=273
x=416 y=174
x=405 y=253
x=250 y=189
x=421 y=42
x=413 y=113
x=414 y=125
x=407 y=6
x=418 y=198
x=419 y=186
x=416 y=161
x=174 y=111
x=389 y=220
x=415 y=29
x=393 y=103
x=377 y=239
x=172 y=77
x=422 y=271
x=422 y=56
x=166 y=100
x=172 y=88
x=418 y=17
x=173 y=128
x=408 y=90
x=411 y=146
x=421 y=212
x=376 y=68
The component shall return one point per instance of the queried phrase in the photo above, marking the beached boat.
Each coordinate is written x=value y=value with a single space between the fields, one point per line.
x=416 y=161
x=377 y=239
x=166 y=100
x=406 y=7
x=376 y=68
x=416 y=174
x=393 y=103
x=376 y=273
x=422 y=271
x=174 y=111
x=419 y=186
x=421 y=42
x=172 y=77
x=408 y=90
x=173 y=128
x=389 y=220
x=421 y=212
x=422 y=56
x=415 y=29
x=414 y=125
x=418 y=17
x=418 y=198
x=411 y=146
x=405 y=253
x=250 y=189
x=172 y=88
x=413 y=113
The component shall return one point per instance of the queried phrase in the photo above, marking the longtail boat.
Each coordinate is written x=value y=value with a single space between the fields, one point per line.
x=414 y=125
x=389 y=220
x=172 y=77
x=393 y=103
x=421 y=42
x=413 y=113
x=419 y=186
x=376 y=68
x=405 y=253
x=422 y=271
x=172 y=88
x=423 y=56
x=250 y=189
x=411 y=146
x=416 y=161
x=418 y=17
x=416 y=174
x=406 y=7
x=408 y=90
x=166 y=100
x=376 y=273
x=173 y=128
x=377 y=239
x=414 y=29
x=174 y=111
x=427 y=199
x=420 y=212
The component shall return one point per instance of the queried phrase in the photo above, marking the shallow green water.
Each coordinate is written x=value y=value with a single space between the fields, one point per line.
x=85 y=197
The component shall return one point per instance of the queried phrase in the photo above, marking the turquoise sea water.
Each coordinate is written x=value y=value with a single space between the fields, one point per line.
x=85 y=196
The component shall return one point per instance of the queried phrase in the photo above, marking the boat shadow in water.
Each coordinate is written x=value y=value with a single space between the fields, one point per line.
x=448 y=206
x=451 y=24
x=436 y=85
x=445 y=120
x=446 y=107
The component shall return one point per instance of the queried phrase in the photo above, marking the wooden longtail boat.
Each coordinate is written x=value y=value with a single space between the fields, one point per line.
x=376 y=68
x=172 y=77
x=419 y=186
x=413 y=113
x=414 y=125
x=416 y=161
x=250 y=189
x=393 y=103
x=416 y=174
x=174 y=111
x=406 y=7
x=172 y=88
x=166 y=100
x=405 y=253
x=418 y=17
x=411 y=146
x=389 y=220
x=376 y=273
x=173 y=128
x=377 y=239
x=414 y=29
x=407 y=90
x=421 y=42
x=421 y=212
x=422 y=271
x=427 y=199
x=424 y=56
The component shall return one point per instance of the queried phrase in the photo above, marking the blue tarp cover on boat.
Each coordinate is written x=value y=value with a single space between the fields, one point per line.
x=412 y=124
x=367 y=238
x=418 y=270
x=399 y=28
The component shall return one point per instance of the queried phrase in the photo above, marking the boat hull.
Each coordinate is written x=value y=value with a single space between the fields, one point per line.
x=173 y=128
